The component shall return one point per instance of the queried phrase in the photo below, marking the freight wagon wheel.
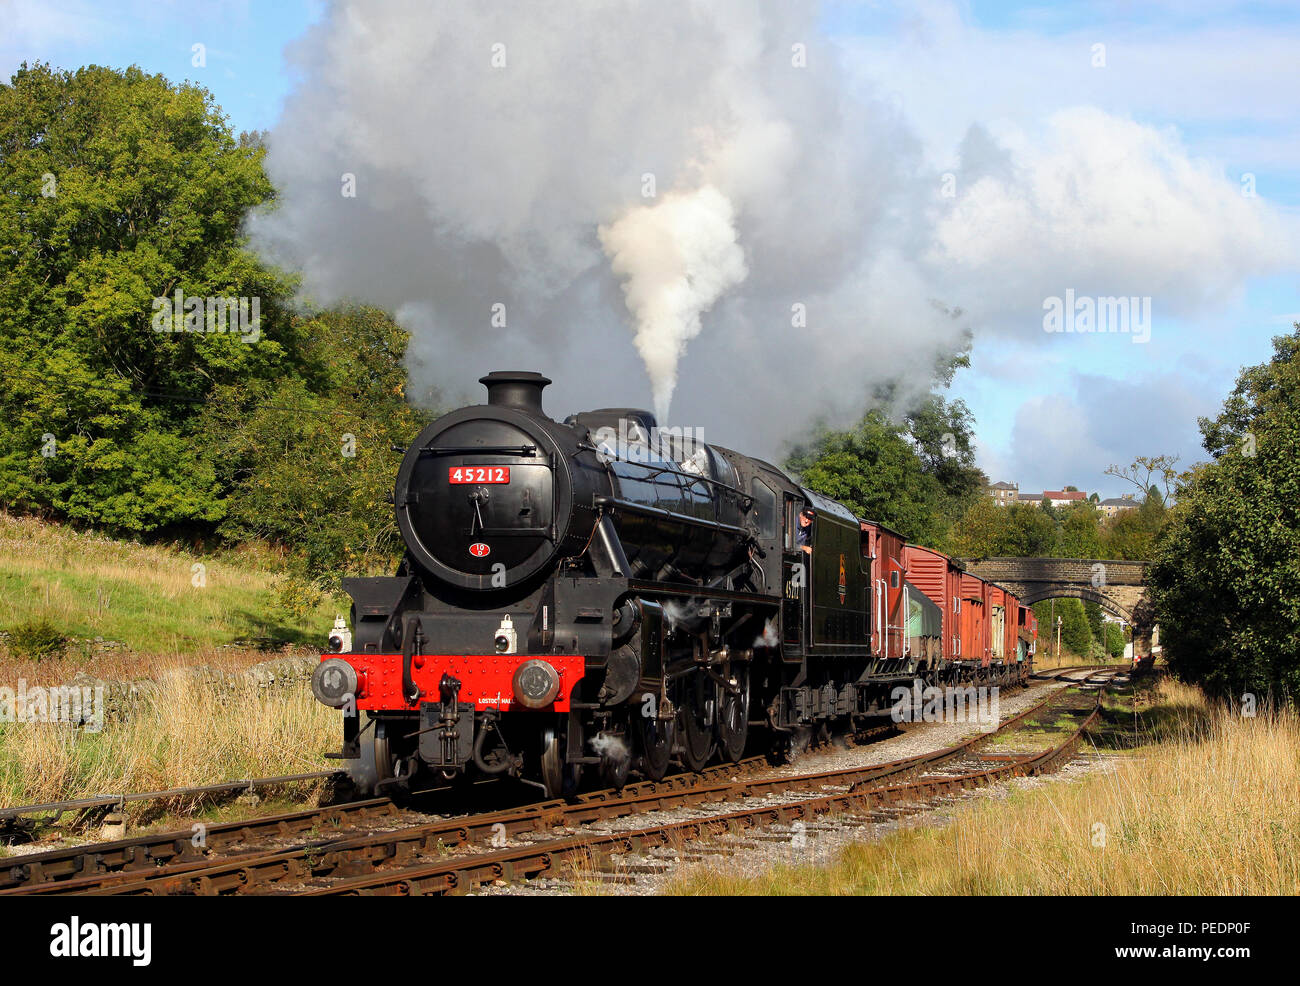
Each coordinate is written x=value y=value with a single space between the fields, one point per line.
x=696 y=709
x=561 y=779
x=655 y=739
x=733 y=717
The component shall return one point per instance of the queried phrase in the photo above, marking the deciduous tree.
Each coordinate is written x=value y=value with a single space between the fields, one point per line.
x=1225 y=578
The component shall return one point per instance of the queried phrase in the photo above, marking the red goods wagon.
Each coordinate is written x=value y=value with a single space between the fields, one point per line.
x=938 y=576
x=975 y=619
x=1015 y=627
x=1028 y=633
x=885 y=549
x=1014 y=616
x=955 y=607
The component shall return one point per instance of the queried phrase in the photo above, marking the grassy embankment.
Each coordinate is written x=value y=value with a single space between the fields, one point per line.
x=1199 y=801
x=142 y=598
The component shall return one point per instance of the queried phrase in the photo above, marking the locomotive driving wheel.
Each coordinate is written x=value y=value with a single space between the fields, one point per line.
x=615 y=760
x=696 y=709
x=655 y=739
x=733 y=716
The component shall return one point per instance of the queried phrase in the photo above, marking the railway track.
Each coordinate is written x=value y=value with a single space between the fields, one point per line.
x=447 y=855
x=949 y=772
x=1055 y=674
x=77 y=868
x=17 y=817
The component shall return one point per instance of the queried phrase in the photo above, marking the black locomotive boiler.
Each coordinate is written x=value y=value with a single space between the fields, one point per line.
x=601 y=594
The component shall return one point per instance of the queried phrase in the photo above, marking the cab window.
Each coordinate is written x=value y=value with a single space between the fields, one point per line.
x=764 y=508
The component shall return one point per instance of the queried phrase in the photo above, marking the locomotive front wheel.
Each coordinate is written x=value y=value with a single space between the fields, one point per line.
x=614 y=765
x=733 y=717
x=375 y=764
x=561 y=779
x=695 y=715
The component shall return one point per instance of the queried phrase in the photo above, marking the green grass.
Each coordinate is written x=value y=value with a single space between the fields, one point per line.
x=145 y=596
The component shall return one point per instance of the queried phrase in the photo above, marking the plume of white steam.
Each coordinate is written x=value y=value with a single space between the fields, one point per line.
x=769 y=637
x=680 y=614
x=611 y=746
x=676 y=258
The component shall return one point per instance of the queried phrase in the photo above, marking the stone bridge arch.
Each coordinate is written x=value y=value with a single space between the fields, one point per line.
x=1117 y=586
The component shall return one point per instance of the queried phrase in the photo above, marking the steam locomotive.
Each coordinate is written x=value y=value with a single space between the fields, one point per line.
x=601 y=594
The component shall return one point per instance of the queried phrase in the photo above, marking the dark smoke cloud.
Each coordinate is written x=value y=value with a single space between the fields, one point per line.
x=501 y=152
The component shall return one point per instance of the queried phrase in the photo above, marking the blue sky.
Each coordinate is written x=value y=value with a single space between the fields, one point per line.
x=1221 y=81
x=246 y=68
x=1114 y=399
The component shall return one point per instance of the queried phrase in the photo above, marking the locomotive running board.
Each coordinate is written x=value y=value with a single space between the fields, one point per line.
x=695 y=591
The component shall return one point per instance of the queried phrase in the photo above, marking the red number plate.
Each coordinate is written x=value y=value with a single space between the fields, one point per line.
x=478 y=474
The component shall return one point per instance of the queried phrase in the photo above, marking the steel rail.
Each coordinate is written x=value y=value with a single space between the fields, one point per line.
x=243 y=872
x=140 y=853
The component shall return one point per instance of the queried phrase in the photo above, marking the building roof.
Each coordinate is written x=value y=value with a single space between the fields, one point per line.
x=1119 y=501
x=1003 y=486
x=1065 y=494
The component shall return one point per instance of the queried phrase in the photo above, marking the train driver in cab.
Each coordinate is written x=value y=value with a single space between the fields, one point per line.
x=803 y=534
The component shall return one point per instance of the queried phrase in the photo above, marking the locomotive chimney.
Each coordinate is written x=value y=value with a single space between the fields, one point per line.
x=521 y=389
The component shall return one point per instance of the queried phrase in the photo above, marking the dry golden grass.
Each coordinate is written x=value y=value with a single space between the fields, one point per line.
x=184 y=735
x=1212 y=808
x=144 y=595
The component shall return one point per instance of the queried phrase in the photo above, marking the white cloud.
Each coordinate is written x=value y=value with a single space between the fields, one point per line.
x=1207 y=71
x=1097 y=421
x=1109 y=206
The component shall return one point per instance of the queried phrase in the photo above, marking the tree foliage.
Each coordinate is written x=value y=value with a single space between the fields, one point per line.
x=1079 y=532
x=119 y=187
x=874 y=471
x=1131 y=534
x=1226 y=576
x=1076 y=632
x=309 y=461
x=1074 y=531
x=987 y=530
x=912 y=469
x=1115 y=640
